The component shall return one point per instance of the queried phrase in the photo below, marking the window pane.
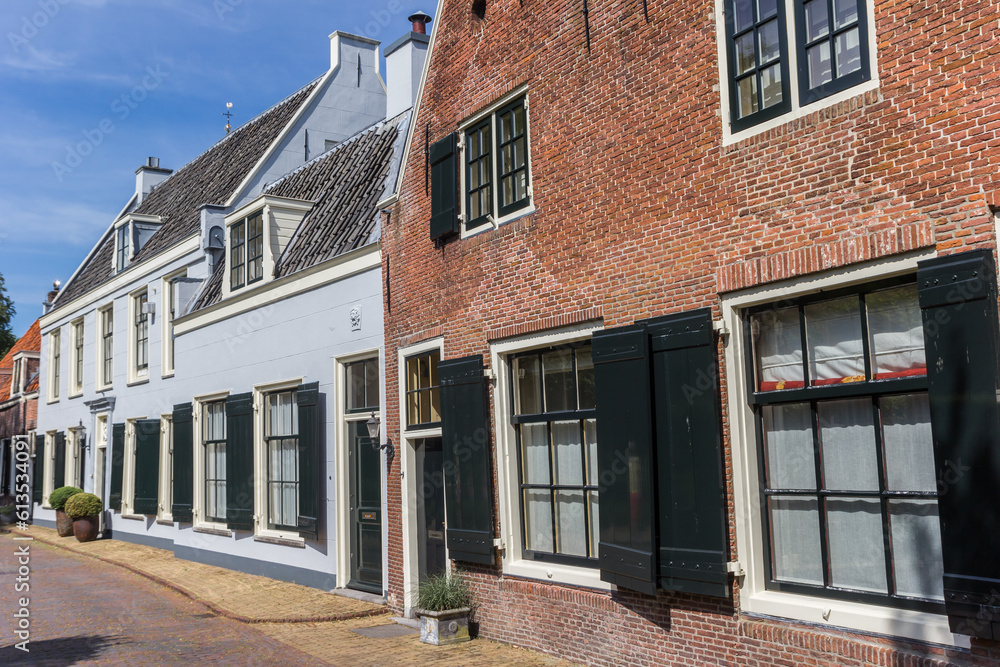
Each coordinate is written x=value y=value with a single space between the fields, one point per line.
x=585 y=378
x=847 y=445
x=590 y=433
x=767 y=36
x=766 y=8
x=770 y=85
x=519 y=152
x=819 y=64
x=795 y=545
x=779 y=349
x=748 y=96
x=848 y=52
x=538 y=520
x=568 y=453
x=788 y=441
x=560 y=393
x=745 y=57
x=743 y=14
x=518 y=120
x=572 y=522
x=507 y=191
x=595 y=522
x=897 y=334
x=535 y=453
x=833 y=333
x=857 y=549
x=906 y=438
x=527 y=396
x=916 y=548
x=817 y=19
x=845 y=12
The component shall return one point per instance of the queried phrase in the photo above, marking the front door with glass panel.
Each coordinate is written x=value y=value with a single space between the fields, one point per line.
x=430 y=507
x=365 y=480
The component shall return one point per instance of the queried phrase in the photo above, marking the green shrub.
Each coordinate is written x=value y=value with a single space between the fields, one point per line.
x=58 y=498
x=83 y=504
x=441 y=592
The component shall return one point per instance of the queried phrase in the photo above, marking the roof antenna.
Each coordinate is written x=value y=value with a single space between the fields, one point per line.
x=228 y=114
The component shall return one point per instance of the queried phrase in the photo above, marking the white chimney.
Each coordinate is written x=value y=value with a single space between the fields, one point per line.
x=353 y=52
x=149 y=176
x=404 y=63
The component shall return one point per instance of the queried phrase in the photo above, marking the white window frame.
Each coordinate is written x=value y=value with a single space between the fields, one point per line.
x=165 y=493
x=201 y=521
x=341 y=459
x=508 y=480
x=797 y=111
x=128 y=470
x=73 y=455
x=751 y=547
x=408 y=468
x=135 y=375
x=261 y=516
x=167 y=361
x=102 y=428
x=130 y=253
x=77 y=333
x=494 y=184
x=102 y=313
x=54 y=371
x=48 y=482
x=17 y=377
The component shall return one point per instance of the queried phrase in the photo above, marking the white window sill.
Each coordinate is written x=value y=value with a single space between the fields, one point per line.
x=137 y=381
x=165 y=520
x=507 y=219
x=557 y=574
x=168 y=375
x=76 y=394
x=283 y=539
x=213 y=529
x=134 y=517
x=868 y=619
x=104 y=387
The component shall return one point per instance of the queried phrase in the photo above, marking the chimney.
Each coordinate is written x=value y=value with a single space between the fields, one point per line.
x=149 y=176
x=51 y=297
x=404 y=64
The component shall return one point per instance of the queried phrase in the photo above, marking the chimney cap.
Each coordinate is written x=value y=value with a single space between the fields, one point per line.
x=419 y=20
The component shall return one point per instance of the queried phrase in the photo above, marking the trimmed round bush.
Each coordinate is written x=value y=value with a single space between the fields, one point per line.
x=83 y=504
x=58 y=498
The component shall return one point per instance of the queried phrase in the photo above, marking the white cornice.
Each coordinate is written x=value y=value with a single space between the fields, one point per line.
x=343 y=266
x=130 y=275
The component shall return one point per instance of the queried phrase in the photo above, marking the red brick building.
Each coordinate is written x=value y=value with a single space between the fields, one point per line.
x=18 y=400
x=691 y=329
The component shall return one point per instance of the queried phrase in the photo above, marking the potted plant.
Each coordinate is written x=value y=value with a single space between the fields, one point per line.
x=85 y=509
x=57 y=500
x=445 y=603
x=7 y=513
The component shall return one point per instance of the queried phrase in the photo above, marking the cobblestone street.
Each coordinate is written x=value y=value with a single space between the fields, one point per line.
x=88 y=612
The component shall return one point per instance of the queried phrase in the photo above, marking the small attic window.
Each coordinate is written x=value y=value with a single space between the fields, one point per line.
x=131 y=236
x=123 y=246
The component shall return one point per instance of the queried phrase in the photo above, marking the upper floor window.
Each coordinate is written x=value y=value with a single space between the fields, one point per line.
x=122 y=246
x=55 y=342
x=77 y=375
x=246 y=253
x=281 y=438
x=174 y=295
x=831 y=43
x=423 y=394
x=848 y=497
x=105 y=366
x=16 y=382
x=140 y=335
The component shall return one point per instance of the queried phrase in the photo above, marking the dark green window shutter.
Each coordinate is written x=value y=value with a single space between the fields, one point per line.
x=312 y=468
x=147 y=466
x=625 y=457
x=239 y=461
x=959 y=310
x=117 y=466
x=690 y=482
x=182 y=433
x=444 y=186
x=59 y=469
x=38 y=470
x=468 y=472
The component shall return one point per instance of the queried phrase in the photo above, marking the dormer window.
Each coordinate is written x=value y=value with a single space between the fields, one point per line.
x=246 y=251
x=122 y=245
x=131 y=235
x=16 y=384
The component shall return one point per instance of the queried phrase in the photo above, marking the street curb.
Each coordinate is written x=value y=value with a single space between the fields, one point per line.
x=219 y=611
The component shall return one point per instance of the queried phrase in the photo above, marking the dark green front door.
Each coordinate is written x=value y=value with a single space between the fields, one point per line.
x=430 y=507
x=366 y=510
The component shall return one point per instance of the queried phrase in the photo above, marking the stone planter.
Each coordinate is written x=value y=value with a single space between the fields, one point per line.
x=86 y=528
x=444 y=627
x=64 y=524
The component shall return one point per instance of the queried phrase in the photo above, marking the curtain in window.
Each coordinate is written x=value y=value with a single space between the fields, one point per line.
x=896 y=332
x=779 y=347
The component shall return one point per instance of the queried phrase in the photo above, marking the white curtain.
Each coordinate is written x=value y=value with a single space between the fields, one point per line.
x=795 y=541
x=779 y=348
x=847 y=445
x=857 y=549
x=833 y=332
x=916 y=548
x=788 y=440
x=896 y=331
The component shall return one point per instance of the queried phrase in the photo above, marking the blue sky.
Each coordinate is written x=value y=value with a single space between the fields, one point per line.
x=90 y=88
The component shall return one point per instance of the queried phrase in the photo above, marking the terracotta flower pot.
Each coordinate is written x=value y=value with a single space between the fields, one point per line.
x=86 y=528
x=64 y=524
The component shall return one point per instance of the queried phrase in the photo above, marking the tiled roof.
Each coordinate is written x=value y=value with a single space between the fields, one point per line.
x=345 y=184
x=31 y=341
x=211 y=178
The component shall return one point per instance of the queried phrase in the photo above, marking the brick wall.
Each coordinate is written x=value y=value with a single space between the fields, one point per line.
x=641 y=211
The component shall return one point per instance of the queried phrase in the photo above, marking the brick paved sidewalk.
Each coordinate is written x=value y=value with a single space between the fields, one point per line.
x=315 y=622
